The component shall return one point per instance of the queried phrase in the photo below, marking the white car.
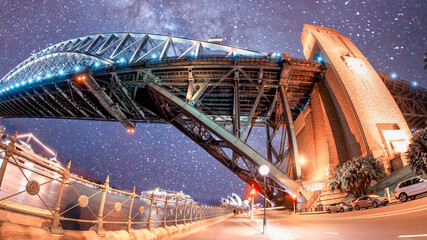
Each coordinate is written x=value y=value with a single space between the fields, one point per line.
x=339 y=207
x=411 y=188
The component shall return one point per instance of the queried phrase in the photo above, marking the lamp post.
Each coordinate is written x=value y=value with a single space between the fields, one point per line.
x=263 y=170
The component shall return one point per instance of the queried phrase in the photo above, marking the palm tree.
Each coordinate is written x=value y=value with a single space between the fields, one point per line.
x=417 y=153
x=355 y=176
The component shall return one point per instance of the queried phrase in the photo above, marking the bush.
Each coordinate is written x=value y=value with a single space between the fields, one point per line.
x=417 y=153
x=355 y=176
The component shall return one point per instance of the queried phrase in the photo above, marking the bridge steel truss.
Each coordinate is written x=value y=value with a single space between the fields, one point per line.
x=411 y=100
x=231 y=97
x=215 y=94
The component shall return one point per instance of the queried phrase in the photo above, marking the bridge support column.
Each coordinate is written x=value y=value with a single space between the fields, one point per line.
x=289 y=123
x=107 y=102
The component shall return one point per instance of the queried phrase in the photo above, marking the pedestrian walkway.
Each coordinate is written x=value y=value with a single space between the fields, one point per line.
x=233 y=228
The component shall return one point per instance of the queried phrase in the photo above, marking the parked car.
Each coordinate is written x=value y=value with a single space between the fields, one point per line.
x=369 y=201
x=410 y=188
x=339 y=207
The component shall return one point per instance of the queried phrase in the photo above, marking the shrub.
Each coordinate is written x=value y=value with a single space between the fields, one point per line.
x=355 y=176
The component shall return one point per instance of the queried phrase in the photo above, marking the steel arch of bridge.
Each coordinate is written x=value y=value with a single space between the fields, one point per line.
x=106 y=50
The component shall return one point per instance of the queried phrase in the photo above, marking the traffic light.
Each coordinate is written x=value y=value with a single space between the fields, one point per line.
x=253 y=191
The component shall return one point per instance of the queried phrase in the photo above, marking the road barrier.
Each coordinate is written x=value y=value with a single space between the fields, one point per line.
x=82 y=204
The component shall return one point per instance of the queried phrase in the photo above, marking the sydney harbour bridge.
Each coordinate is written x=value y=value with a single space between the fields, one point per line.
x=213 y=93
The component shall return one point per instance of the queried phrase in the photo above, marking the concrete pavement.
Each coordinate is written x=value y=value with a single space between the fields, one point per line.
x=399 y=221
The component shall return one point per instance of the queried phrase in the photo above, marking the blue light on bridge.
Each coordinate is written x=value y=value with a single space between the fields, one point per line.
x=193 y=53
x=23 y=83
x=48 y=75
x=122 y=60
x=30 y=81
x=12 y=87
x=153 y=56
x=61 y=72
x=97 y=64
x=393 y=75
x=77 y=68
x=38 y=78
x=319 y=59
x=414 y=83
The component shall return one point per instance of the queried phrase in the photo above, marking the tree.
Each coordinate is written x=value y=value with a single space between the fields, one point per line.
x=417 y=153
x=355 y=176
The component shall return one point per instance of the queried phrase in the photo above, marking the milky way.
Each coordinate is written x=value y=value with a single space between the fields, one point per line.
x=391 y=34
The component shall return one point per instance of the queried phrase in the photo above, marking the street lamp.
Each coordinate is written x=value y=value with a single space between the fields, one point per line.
x=263 y=170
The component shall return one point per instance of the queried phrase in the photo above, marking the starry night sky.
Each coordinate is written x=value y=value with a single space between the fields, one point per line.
x=391 y=34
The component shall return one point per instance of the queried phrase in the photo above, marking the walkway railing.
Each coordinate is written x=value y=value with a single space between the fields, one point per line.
x=72 y=202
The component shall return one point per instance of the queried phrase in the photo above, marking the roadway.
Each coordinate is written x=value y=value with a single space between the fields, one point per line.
x=399 y=221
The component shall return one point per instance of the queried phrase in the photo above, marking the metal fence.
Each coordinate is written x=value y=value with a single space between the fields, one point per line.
x=72 y=202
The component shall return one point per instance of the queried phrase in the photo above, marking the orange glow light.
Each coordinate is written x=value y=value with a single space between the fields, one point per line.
x=81 y=78
x=253 y=191
x=130 y=130
x=294 y=196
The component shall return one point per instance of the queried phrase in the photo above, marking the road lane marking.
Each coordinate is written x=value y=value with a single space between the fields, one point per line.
x=409 y=236
x=377 y=215
x=332 y=233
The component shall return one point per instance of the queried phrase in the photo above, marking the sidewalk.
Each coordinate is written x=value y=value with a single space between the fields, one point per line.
x=236 y=227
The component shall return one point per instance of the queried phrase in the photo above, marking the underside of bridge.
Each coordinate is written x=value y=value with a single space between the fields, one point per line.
x=214 y=94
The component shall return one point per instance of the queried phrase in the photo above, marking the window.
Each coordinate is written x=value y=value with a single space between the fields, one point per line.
x=416 y=180
x=408 y=183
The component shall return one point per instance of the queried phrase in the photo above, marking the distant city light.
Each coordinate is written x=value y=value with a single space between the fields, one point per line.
x=414 y=83
x=393 y=75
